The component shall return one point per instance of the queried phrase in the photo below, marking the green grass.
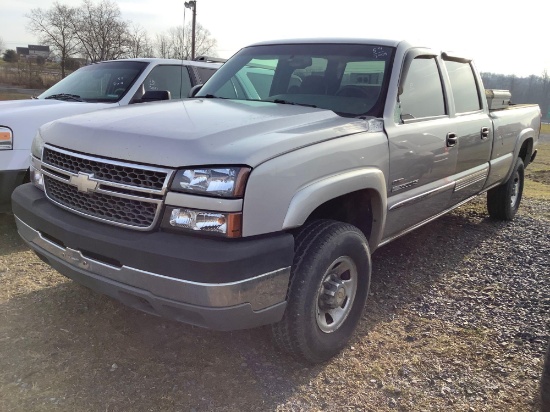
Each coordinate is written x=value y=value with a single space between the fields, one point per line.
x=545 y=128
x=537 y=175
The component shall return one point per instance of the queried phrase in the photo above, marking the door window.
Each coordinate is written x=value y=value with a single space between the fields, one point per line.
x=464 y=86
x=175 y=79
x=423 y=92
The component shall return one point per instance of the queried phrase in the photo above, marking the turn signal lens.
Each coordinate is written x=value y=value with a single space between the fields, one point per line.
x=6 y=139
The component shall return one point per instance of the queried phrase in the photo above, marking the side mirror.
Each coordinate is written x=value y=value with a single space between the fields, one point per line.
x=194 y=90
x=155 y=96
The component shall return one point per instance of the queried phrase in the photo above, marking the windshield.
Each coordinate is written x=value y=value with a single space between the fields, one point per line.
x=101 y=82
x=349 y=79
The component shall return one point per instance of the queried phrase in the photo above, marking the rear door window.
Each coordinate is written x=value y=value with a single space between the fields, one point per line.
x=464 y=86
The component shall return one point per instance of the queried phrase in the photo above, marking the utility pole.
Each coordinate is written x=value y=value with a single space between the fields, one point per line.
x=192 y=5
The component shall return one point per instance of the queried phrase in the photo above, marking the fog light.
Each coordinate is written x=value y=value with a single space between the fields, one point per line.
x=228 y=224
x=37 y=178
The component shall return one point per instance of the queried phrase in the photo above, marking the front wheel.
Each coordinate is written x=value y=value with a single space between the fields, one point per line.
x=328 y=290
x=503 y=201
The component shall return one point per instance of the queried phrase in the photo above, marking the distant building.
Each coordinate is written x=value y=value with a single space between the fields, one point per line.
x=22 y=51
x=36 y=50
x=33 y=51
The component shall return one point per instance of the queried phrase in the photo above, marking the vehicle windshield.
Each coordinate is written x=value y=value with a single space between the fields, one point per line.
x=349 y=79
x=101 y=82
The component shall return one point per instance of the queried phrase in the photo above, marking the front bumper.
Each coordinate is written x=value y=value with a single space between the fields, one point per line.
x=214 y=283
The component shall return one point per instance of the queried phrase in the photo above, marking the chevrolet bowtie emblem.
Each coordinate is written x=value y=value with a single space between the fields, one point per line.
x=84 y=182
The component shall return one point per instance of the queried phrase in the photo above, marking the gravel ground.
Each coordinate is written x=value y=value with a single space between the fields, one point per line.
x=457 y=320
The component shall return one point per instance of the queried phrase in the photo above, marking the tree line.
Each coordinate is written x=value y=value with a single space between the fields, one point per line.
x=97 y=31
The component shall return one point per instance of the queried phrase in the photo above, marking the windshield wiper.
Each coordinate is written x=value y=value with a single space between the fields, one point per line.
x=65 y=97
x=281 y=101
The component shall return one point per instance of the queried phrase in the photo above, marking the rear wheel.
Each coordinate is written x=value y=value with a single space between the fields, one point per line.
x=329 y=286
x=503 y=201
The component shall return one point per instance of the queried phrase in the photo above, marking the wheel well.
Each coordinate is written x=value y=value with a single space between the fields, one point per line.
x=355 y=208
x=526 y=151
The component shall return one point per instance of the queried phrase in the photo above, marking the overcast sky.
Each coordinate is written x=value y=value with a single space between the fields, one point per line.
x=502 y=37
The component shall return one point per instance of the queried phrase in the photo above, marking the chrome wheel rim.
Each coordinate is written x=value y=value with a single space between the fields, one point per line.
x=515 y=190
x=336 y=294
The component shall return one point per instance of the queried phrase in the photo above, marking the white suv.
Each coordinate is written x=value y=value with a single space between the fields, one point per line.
x=98 y=86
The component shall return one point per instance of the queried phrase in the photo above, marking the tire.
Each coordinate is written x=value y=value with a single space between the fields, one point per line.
x=545 y=384
x=329 y=285
x=503 y=201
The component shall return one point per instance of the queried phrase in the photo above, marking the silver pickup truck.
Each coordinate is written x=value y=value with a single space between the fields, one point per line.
x=260 y=200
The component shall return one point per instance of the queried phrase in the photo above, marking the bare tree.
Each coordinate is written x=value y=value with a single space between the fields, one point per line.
x=102 y=33
x=2 y=45
x=162 y=45
x=54 y=27
x=176 y=42
x=140 y=44
x=205 y=44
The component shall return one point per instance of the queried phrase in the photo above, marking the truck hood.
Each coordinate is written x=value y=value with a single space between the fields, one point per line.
x=24 y=117
x=199 y=132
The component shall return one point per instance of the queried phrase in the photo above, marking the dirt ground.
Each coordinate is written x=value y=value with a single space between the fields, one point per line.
x=440 y=333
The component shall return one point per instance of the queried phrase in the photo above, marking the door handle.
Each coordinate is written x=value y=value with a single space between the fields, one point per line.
x=484 y=133
x=452 y=139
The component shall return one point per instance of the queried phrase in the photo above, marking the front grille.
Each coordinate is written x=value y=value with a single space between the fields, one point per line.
x=122 y=194
x=102 y=206
x=103 y=170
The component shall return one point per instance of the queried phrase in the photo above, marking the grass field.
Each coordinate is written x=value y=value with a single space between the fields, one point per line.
x=537 y=175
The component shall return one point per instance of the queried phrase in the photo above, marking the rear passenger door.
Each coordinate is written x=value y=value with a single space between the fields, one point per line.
x=422 y=153
x=474 y=129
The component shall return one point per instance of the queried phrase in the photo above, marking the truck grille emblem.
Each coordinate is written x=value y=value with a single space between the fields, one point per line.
x=84 y=182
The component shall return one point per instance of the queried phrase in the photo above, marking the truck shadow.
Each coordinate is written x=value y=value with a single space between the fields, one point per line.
x=97 y=354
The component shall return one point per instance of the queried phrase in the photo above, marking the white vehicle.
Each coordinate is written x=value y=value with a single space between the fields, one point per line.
x=98 y=86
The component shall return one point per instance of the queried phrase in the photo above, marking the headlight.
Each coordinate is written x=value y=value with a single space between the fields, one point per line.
x=6 y=138
x=227 y=224
x=222 y=181
x=37 y=146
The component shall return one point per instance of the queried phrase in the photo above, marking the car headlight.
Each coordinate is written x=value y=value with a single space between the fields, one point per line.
x=216 y=181
x=6 y=138
x=37 y=146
